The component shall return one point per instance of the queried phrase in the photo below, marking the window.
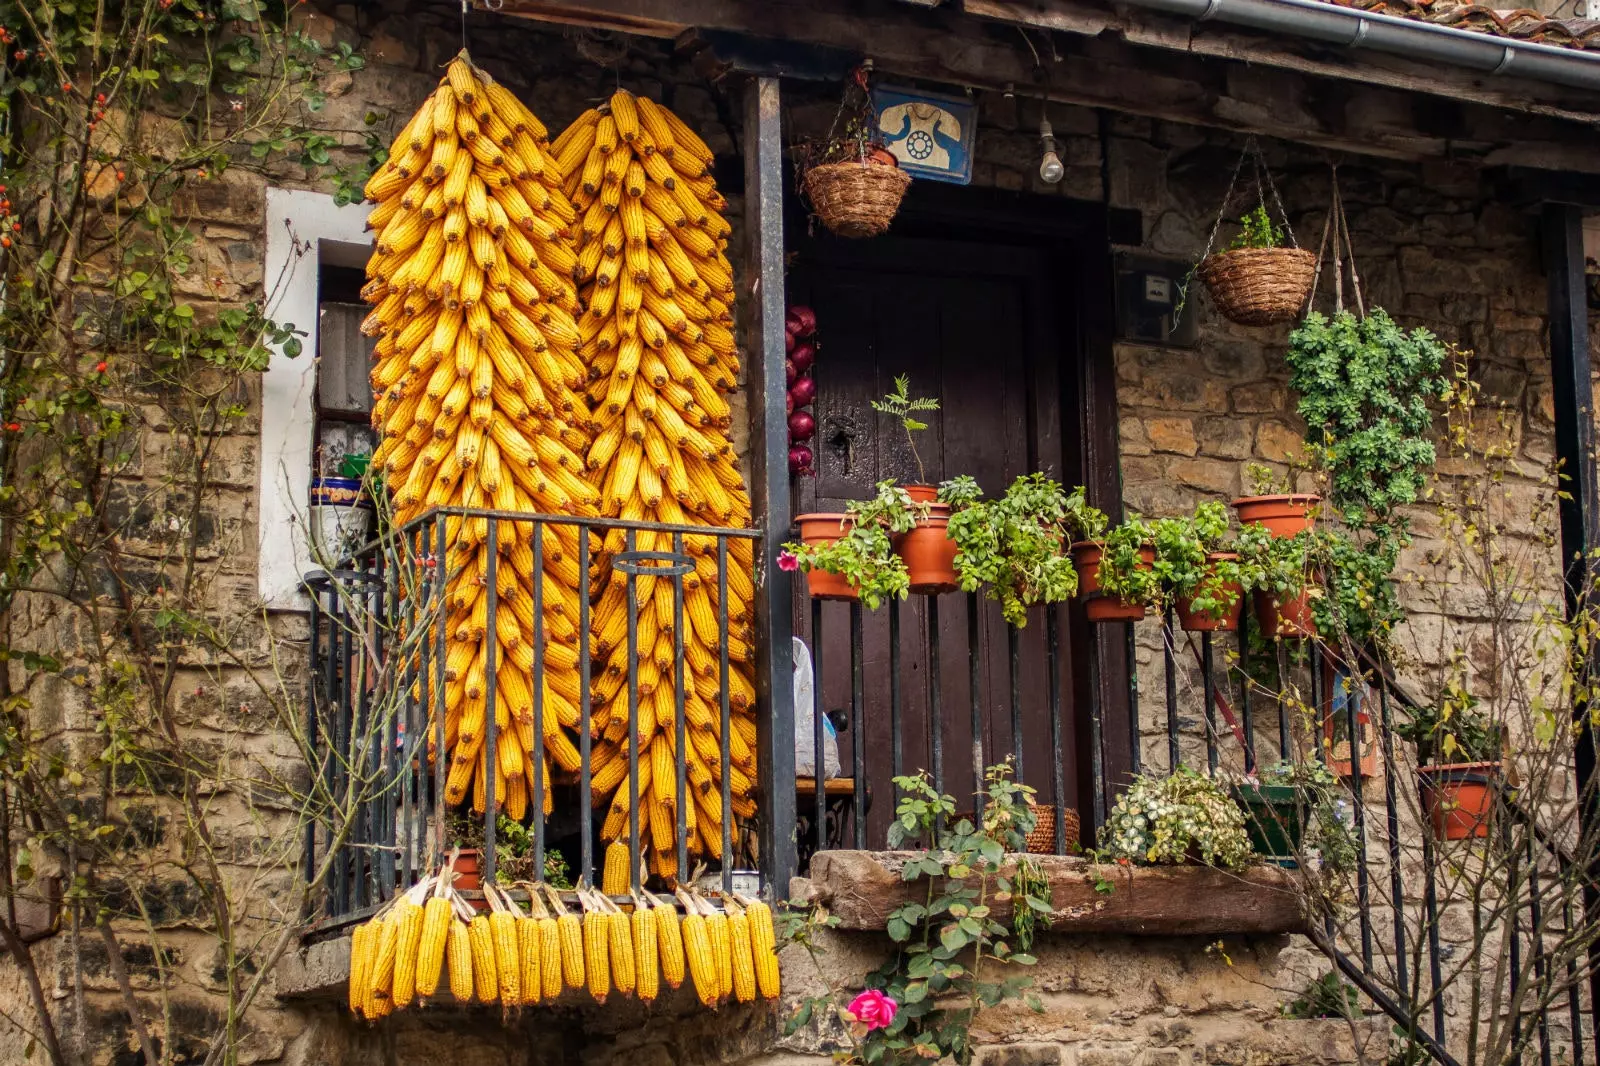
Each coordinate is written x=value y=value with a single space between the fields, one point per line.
x=315 y=255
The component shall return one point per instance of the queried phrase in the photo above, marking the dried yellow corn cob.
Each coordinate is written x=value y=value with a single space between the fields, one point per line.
x=669 y=938
x=596 y=953
x=615 y=880
x=408 y=936
x=458 y=955
x=381 y=977
x=743 y=961
x=528 y=952
x=363 y=950
x=507 y=959
x=623 y=965
x=646 y=958
x=764 y=948
x=430 y=949
x=485 y=973
x=722 y=948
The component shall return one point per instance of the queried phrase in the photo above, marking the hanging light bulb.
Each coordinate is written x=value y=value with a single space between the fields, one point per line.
x=1050 y=168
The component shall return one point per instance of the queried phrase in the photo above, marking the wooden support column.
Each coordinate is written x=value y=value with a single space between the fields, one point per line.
x=1573 y=391
x=769 y=476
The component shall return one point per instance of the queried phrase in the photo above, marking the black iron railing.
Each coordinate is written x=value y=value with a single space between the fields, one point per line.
x=937 y=675
x=382 y=628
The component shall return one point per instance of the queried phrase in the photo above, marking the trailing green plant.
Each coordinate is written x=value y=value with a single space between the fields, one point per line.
x=1328 y=996
x=1365 y=386
x=1031 y=908
x=1015 y=546
x=951 y=957
x=1257 y=230
x=901 y=406
x=1124 y=572
x=1451 y=728
x=1183 y=546
x=865 y=556
x=1175 y=819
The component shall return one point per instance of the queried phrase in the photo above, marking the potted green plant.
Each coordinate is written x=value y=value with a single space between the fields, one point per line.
x=1203 y=581
x=1183 y=817
x=1116 y=575
x=1015 y=546
x=1277 y=572
x=1365 y=387
x=1296 y=808
x=1257 y=280
x=853 y=555
x=1460 y=753
x=904 y=408
x=1271 y=504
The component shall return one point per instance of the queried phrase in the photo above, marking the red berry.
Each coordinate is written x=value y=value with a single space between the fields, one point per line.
x=121 y=176
x=100 y=367
x=66 y=86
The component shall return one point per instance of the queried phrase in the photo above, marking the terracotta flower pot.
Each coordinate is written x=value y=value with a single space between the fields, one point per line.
x=469 y=876
x=1097 y=607
x=922 y=493
x=824 y=529
x=929 y=553
x=1193 y=621
x=1285 y=618
x=1459 y=797
x=1283 y=515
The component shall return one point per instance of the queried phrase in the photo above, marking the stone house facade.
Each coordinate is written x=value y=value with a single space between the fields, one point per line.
x=1445 y=236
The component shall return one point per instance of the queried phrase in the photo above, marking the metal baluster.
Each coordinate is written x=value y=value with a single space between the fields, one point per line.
x=858 y=740
x=313 y=666
x=1097 y=762
x=631 y=582
x=1052 y=638
x=975 y=697
x=1245 y=712
x=727 y=727
x=388 y=761
x=1014 y=646
x=585 y=713
x=339 y=766
x=1352 y=711
x=536 y=800
x=1174 y=748
x=491 y=647
x=1536 y=917
x=440 y=654
x=896 y=755
x=1397 y=899
x=1430 y=898
x=819 y=765
x=680 y=734
x=1209 y=689
x=935 y=699
x=1133 y=695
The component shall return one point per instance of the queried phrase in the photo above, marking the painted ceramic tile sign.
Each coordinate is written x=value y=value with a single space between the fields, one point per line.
x=931 y=134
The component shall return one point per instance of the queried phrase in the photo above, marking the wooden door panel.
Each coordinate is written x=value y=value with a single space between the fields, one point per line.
x=971 y=325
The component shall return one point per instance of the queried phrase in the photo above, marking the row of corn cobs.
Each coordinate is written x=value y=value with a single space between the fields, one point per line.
x=554 y=327
x=430 y=936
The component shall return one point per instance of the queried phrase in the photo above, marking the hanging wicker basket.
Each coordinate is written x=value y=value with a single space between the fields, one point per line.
x=1259 y=286
x=856 y=199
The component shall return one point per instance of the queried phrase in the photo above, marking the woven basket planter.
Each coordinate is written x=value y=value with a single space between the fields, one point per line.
x=1042 y=840
x=856 y=199
x=1259 y=286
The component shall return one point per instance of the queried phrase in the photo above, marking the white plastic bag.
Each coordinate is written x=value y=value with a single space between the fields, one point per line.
x=805 y=701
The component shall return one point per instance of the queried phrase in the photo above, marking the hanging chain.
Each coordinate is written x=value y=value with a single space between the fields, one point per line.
x=1222 y=211
x=1342 y=249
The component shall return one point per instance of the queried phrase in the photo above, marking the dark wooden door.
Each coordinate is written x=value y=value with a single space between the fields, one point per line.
x=980 y=327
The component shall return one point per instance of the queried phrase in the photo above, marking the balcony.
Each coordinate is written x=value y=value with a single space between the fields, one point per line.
x=937 y=683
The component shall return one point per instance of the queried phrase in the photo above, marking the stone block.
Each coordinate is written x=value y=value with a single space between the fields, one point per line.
x=1175 y=435
x=1278 y=442
x=1034 y=1054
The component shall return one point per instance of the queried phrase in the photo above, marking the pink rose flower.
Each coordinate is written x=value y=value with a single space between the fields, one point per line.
x=788 y=561
x=873 y=1009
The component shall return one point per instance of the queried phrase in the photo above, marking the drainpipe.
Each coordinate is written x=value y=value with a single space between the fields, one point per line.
x=1350 y=28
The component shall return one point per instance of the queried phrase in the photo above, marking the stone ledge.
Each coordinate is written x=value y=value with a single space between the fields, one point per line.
x=861 y=888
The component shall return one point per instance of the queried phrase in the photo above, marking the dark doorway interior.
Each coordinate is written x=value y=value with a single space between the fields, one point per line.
x=1001 y=322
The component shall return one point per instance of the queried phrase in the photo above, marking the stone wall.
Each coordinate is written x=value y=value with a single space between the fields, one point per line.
x=1435 y=247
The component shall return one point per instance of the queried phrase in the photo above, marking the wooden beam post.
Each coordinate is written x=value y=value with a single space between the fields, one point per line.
x=769 y=476
x=1571 y=373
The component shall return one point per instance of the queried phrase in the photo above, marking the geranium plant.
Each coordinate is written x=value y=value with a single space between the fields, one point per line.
x=904 y=408
x=1175 y=819
x=951 y=956
x=1183 y=566
x=1125 y=572
x=865 y=555
x=1015 y=547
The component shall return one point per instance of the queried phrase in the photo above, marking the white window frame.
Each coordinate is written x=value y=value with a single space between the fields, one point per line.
x=305 y=231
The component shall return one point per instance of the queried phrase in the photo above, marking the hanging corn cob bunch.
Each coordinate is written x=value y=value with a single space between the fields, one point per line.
x=479 y=404
x=658 y=344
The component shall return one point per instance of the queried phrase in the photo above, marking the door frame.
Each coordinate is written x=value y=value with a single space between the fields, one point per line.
x=1080 y=236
